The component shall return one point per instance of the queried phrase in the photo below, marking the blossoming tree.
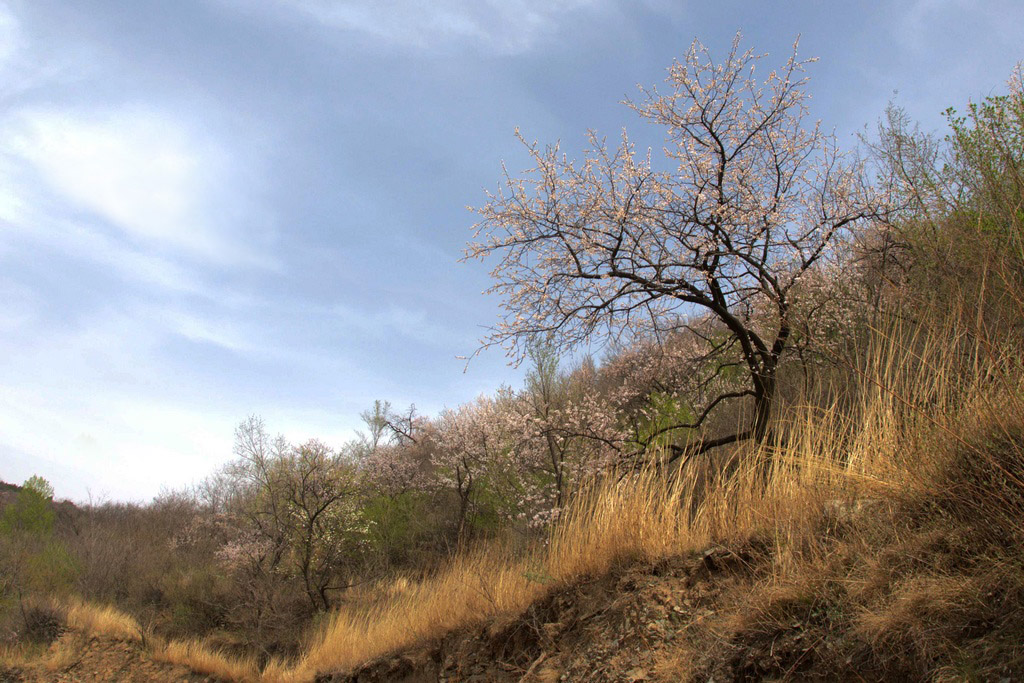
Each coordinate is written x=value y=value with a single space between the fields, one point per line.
x=294 y=512
x=472 y=442
x=748 y=199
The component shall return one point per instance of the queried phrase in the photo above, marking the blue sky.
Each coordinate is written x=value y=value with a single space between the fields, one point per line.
x=212 y=208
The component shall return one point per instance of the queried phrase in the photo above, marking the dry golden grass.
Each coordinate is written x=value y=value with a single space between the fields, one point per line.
x=206 y=660
x=87 y=620
x=80 y=617
x=913 y=405
x=98 y=620
x=102 y=620
x=21 y=655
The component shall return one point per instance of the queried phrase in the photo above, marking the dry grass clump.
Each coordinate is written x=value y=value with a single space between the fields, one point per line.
x=42 y=621
x=85 y=621
x=476 y=586
x=106 y=621
x=103 y=620
x=924 y=579
x=28 y=631
x=203 y=659
x=55 y=630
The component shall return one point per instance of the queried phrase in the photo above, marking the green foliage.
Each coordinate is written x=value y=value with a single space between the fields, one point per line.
x=486 y=518
x=989 y=139
x=539 y=574
x=988 y=161
x=663 y=411
x=39 y=486
x=31 y=512
x=389 y=519
x=397 y=524
x=36 y=561
x=958 y=241
x=197 y=598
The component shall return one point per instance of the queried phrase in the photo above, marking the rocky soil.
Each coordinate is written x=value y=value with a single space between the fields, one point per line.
x=75 y=657
x=631 y=625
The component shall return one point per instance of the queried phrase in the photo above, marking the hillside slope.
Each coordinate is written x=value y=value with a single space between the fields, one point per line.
x=912 y=588
x=886 y=545
x=621 y=626
x=897 y=590
x=918 y=586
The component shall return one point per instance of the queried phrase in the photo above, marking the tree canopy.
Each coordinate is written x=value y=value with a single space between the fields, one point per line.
x=715 y=239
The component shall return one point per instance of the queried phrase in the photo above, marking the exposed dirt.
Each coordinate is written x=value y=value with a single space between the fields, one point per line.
x=81 y=658
x=619 y=627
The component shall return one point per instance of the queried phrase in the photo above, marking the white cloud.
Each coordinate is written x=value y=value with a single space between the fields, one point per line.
x=125 y=447
x=503 y=26
x=206 y=330
x=157 y=180
x=28 y=66
x=128 y=446
x=137 y=170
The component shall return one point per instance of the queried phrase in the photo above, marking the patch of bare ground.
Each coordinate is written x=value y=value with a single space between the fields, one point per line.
x=620 y=626
x=76 y=656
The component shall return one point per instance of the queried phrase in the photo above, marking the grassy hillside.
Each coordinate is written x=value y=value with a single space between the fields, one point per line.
x=887 y=541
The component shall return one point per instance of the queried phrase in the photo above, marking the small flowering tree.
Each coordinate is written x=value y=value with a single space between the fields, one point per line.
x=521 y=455
x=322 y=519
x=564 y=433
x=392 y=452
x=295 y=512
x=472 y=442
x=751 y=199
x=392 y=470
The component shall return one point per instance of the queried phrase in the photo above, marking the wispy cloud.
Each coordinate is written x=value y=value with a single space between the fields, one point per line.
x=138 y=171
x=502 y=26
x=28 y=67
x=10 y=35
x=125 y=447
x=204 y=329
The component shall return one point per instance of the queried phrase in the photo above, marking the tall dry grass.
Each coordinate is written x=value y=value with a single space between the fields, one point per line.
x=204 y=659
x=104 y=621
x=913 y=399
